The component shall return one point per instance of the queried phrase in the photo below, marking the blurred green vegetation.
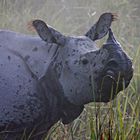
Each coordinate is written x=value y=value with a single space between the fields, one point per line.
x=118 y=120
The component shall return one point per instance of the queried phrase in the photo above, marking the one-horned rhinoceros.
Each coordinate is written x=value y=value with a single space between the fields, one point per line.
x=49 y=78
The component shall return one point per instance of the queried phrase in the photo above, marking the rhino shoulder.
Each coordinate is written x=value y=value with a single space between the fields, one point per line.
x=36 y=53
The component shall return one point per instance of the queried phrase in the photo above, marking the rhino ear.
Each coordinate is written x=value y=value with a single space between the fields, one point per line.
x=46 y=33
x=101 y=27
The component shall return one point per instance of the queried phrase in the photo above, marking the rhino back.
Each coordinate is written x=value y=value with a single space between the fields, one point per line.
x=36 y=53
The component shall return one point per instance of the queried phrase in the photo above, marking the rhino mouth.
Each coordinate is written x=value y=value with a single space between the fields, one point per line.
x=111 y=83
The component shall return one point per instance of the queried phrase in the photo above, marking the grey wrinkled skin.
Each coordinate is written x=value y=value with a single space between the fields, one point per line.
x=44 y=82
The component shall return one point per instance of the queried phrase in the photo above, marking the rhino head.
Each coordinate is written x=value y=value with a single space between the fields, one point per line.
x=88 y=73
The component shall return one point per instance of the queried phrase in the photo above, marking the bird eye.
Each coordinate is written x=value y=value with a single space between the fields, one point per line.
x=85 y=61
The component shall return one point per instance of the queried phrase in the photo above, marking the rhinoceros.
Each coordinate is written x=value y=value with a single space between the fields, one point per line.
x=50 y=77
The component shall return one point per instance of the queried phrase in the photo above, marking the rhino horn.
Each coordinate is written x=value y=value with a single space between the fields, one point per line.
x=46 y=33
x=101 y=27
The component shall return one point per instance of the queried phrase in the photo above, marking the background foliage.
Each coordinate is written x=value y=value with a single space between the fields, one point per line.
x=118 y=120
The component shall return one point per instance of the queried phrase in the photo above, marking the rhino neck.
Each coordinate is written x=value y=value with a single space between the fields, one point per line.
x=81 y=88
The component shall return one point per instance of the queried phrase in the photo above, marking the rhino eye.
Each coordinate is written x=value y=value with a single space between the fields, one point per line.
x=85 y=61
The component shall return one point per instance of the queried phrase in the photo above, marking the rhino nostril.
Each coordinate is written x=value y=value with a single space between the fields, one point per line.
x=112 y=63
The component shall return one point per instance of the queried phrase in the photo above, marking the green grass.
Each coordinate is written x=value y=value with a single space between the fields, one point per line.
x=119 y=119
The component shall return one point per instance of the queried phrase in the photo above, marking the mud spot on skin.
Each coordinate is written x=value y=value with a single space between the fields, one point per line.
x=101 y=52
x=14 y=106
x=20 y=86
x=90 y=85
x=36 y=72
x=33 y=76
x=21 y=107
x=94 y=64
x=3 y=79
x=23 y=114
x=66 y=62
x=89 y=77
x=85 y=61
x=103 y=61
x=76 y=61
x=6 y=113
x=95 y=72
x=73 y=54
x=35 y=49
x=9 y=57
x=26 y=57
x=17 y=92
x=75 y=74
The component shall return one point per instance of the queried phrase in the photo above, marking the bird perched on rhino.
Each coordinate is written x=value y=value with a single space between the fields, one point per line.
x=51 y=77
